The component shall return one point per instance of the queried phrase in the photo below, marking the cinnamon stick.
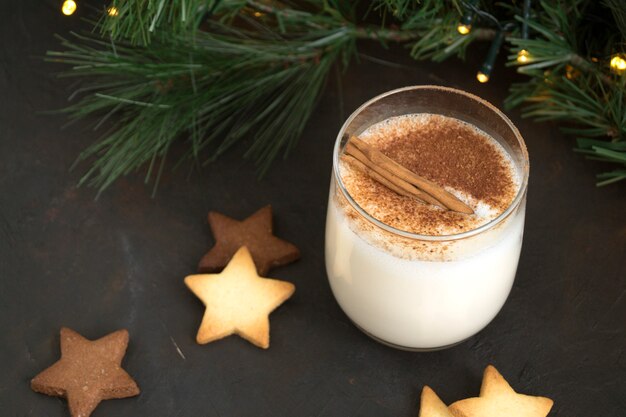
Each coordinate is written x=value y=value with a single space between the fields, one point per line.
x=381 y=160
x=409 y=190
x=377 y=177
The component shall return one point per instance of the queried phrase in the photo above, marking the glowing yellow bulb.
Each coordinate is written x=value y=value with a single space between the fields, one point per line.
x=258 y=14
x=463 y=29
x=523 y=56
x=69 y=7
x=482 y=77
x=618 y=63
x=113 y=11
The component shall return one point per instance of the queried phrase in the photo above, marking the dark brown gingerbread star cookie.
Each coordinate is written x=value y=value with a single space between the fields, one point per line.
x=255 y=233
x=88 y=372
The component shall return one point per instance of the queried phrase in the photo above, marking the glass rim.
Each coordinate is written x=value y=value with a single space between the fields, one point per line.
x=434 y=238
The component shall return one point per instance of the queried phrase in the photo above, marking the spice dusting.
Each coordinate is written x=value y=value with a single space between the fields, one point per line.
x=455 y=155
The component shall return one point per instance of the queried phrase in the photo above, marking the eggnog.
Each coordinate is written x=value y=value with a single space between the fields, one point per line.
x=414 y=275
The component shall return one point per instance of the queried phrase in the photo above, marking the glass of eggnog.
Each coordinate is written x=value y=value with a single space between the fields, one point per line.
x=425 y=216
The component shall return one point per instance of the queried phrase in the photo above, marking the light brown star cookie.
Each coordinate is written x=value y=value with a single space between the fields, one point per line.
x=431 y=405
x=88 y=372
x=238 y=301
x=498 y=399
x=255 y=233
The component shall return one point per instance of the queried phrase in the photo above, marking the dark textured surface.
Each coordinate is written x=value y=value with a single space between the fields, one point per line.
x=119 y=262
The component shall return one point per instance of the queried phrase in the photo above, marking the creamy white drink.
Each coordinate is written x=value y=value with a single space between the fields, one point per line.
x=414 y=275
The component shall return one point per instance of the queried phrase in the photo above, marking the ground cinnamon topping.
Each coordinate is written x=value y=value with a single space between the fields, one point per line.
x=451 y=153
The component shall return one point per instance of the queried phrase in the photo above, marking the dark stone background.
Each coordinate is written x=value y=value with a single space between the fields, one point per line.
x=119 y=262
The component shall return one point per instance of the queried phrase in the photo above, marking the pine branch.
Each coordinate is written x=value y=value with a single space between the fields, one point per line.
x=550 y=50
x=567 y=87
x=609 y=152
x=212 y=72
x=436 y=23
x=213 y=92
x=587 y=107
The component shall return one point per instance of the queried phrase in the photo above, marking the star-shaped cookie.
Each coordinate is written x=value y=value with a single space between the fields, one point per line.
x=255 y=233
x=431 y=405
x=238 y=301
x=88 y=372
x=498 y=399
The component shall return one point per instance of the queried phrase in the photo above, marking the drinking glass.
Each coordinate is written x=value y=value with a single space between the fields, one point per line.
x=423 y=298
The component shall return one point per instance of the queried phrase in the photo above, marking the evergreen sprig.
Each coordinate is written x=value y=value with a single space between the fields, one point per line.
x=224 y=85
x=212 y=72
x=570 y=80
x=440 y=39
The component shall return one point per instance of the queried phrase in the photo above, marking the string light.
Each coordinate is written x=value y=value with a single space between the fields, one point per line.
x=485 y=70
x=618 y=63
x=523 y=56
x=465 y=24
x=258 y=14
x=113 y=11
x=69 y=7
x=482 y=77
x=463 y=29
